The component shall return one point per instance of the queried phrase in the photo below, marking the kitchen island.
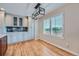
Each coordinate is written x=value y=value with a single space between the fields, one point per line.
x=3 y=44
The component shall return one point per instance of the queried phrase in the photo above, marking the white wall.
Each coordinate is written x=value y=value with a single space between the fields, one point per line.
x=71 y=28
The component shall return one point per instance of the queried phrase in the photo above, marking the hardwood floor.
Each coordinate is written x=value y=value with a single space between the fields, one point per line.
x=35 y=48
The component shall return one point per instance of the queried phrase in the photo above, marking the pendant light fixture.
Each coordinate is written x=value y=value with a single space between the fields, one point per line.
x=39 y=11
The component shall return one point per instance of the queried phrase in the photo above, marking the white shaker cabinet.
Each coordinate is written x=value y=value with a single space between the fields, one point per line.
x=2 y=22
x=8 y=20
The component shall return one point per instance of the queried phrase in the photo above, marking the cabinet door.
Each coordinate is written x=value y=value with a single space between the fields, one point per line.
x=20 y=21
x=19 y=36
x=25 y=21
x=14 y=36
x=2 y=24
x=9 y=37
x=1 y=18
x=25 y=36
x=9 y=20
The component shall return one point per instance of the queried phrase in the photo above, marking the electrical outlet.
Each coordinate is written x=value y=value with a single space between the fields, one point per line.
x=67 y=45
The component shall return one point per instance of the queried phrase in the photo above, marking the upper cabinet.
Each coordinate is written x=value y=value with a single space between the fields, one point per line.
x=2 y=23
x=25 y=21
x=20 y=21
x=2 y=18
x=16 y=21
x=9 y=20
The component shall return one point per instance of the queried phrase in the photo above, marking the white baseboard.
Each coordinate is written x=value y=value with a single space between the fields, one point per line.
x=61 y=47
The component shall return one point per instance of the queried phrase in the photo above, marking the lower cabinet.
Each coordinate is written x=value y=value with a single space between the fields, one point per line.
x=14 y=37
x=3 y=45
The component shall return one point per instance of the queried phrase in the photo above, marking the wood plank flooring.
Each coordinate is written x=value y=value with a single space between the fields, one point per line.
x=35 y=48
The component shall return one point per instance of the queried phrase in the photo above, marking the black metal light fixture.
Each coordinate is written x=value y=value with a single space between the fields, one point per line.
x=38 y=4
x=38 y=12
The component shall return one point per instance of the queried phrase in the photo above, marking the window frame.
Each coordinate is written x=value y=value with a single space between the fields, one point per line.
x=62 y=25
x=50 y=19
x=49 y=27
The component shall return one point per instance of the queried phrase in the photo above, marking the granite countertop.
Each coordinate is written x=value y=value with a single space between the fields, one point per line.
x=2 y=35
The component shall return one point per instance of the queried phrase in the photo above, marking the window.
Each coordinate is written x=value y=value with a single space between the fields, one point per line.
x=46 y=26
x=15 y=21
x=57 y=25
x=54 y=25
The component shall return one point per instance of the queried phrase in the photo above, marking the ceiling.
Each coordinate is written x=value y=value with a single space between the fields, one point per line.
x=26 y=9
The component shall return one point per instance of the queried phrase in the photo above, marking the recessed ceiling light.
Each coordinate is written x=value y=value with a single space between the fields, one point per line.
x=2 y=9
